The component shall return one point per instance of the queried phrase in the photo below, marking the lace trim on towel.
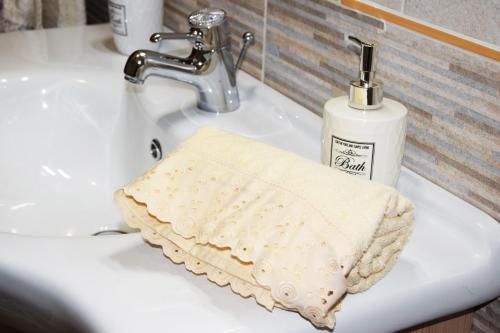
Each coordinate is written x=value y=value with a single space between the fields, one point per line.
x=157 y=233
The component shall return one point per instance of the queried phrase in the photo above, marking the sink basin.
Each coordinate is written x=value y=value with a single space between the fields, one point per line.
x=72 y=131
x=61 y=144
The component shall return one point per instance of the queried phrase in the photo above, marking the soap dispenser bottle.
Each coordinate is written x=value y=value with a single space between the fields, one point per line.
x=363 y=134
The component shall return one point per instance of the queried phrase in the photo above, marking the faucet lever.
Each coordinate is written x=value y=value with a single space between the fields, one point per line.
x=248 y=39
x=159 y=36
x=209 y=67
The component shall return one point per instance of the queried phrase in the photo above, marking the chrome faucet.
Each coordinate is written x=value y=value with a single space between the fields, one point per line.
x=209 y=67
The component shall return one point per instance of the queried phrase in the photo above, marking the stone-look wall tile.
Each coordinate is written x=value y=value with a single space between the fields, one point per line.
x=396 y=5
x=481 y=16
x=244 y=15
x=454 y=123
x=306 y=56
x=486 y=319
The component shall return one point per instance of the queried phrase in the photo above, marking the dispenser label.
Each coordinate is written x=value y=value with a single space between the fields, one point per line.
x=352 y=157
x=118 y=18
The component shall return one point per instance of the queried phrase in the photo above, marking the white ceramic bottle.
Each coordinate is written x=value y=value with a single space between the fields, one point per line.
x=363 y=134
x=133 y=22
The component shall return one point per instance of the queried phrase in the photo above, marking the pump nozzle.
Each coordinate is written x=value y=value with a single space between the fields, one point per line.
x=365 y=93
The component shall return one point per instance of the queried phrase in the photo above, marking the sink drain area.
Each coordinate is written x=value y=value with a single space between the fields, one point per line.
x=155 y=149
x=156 y=152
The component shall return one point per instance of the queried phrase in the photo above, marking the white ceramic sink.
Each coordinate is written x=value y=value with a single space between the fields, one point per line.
x=72 y=131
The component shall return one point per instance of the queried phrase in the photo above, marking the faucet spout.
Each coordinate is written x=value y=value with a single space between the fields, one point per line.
x=143 y=63
x=209 y=67
x=203 y=69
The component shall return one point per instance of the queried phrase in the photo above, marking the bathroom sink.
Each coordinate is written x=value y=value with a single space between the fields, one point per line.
x=72 y=131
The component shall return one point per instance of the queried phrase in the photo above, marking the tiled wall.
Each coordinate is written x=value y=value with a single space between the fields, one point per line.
x=474 y=18
x=452 y=95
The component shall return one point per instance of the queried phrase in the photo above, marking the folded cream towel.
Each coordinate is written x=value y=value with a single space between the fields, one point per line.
x=290 y=232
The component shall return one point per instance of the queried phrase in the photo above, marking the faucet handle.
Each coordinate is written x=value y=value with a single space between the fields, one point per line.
x=248 y=39
x=192 y=36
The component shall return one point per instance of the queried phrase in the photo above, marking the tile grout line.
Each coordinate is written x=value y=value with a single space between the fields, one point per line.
x=264 y=41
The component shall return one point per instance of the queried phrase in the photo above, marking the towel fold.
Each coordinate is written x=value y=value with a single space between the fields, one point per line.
x=289 y=232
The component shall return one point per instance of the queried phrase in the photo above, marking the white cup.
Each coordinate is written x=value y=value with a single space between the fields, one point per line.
x=133 y=22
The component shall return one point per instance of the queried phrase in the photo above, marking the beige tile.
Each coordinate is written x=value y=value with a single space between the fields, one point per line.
x=492 y=81
x=395 y=5
x=363 y=19
x=478 y=18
